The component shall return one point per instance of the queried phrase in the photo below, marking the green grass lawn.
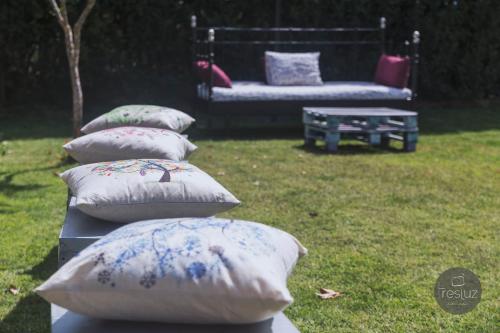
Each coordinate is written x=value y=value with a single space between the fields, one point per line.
x=380 y=226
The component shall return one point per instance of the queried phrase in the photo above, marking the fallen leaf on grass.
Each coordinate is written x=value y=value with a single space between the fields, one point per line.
x=13 y=290
x=313 y=214
x=221 y=173
x=328 y=293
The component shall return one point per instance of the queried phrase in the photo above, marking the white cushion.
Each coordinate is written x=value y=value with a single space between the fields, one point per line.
x=122 y=143
x=142 y=116
x=292 y=69
x=132 y=190
x=180 y=270
x=329 y=91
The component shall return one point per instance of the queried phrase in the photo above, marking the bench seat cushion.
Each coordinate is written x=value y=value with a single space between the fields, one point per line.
x=331 y=90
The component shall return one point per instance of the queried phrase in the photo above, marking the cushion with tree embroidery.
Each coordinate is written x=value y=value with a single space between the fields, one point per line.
x=139 y=189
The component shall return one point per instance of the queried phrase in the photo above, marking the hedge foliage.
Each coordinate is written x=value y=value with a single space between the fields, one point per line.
x=141 y=48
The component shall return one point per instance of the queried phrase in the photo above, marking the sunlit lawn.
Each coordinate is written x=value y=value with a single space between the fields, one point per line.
x=380 y=225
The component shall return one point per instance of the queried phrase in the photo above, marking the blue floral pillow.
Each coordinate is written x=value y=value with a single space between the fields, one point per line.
x=191 y=270
x=293 y=69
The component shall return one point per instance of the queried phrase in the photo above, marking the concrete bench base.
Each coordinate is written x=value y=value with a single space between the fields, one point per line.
x=64 y=321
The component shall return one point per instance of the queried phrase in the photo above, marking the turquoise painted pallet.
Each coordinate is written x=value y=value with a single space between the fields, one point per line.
x=376 y=126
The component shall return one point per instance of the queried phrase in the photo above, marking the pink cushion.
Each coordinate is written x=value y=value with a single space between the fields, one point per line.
x=393 y=71
x=220 y=78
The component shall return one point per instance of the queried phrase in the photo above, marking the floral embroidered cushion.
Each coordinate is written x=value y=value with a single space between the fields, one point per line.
x=194 y=270
x=141 y=116
x=140 y=189
x=122 y=143
x=292 y=69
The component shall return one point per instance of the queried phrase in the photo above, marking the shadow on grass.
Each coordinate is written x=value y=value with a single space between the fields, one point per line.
x=445 y=121
x=32 y=313
x=431 y=121
x=349 y=149
x=34 y=127
x=8 y=188
x=246 y=134
x=44 y=269
x=6 y=209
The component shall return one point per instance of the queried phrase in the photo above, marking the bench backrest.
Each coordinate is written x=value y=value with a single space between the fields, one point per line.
x=347 y=53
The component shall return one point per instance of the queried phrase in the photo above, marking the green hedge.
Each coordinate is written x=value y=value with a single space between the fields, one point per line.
x=140 y=48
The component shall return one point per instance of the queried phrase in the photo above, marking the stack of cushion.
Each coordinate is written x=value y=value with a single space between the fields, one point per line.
x=171 y=261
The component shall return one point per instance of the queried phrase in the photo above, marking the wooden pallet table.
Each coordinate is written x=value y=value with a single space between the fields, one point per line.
x=78 y=232
x=376 y=126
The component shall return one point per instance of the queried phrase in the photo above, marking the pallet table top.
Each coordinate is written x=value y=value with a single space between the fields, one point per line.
x=358 y=111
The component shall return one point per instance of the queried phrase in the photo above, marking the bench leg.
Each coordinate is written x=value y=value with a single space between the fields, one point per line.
x=410 y=142
x=374 y=138
x=410 y=147
x=332 y=141
x=332 y=147
x=308 y=142
x=386 y=141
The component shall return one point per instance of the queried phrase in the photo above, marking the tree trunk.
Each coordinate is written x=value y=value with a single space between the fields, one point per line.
x=3 y=94
x=76 y=89
x=3 y=55
x=72 y=37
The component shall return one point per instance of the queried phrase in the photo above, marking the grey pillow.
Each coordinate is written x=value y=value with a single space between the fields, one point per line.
x=124 y=143
x=293 y=69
